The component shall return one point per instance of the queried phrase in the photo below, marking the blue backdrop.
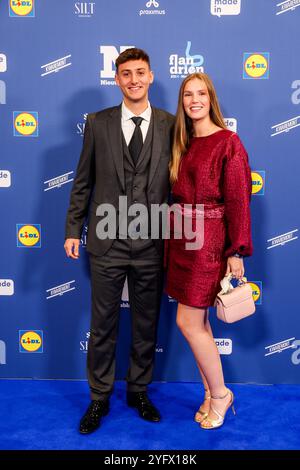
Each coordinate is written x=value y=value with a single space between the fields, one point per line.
x=56 y=65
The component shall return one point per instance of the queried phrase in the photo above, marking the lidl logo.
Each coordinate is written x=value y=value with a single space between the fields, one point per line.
x=258 y=182
x=26 y=124
x=23 y=8
x=256 y=291
x=256 y=65
x=31 y=341
x=29 y=236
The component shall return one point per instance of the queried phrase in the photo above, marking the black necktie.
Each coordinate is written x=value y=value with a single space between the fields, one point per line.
x=136 y=142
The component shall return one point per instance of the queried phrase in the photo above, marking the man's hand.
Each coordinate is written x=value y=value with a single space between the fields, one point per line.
x=235 y=266
x=71 y=247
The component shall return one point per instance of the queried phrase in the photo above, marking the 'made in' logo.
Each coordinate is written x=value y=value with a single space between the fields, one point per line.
x=23 y=8
x=28 y=236
x=26 y=124
x=256 y=65
x=258 y=182
x=31 y=341
x=225 y=7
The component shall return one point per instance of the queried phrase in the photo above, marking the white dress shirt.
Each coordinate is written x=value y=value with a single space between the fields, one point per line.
x=128 y=125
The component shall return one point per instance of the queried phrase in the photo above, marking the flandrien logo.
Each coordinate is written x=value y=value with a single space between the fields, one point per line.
x=256 y=65
x=110 y=54
x=31 y=341
x=287 y=5
x=281 y=240
x=84 y=9
x=7 y=287
x=25 y=124
x=225 y=7
x=21 y=8
x=231 y=124
x=5 y=179
x=56 y=65
x=152 y=9
x=279 y=347
x=295 y=97
x=295 y=358
x=258 y=182
x=81 y=125
x=58 y=181
x=224 y=346
x=285 y=126
x=60 y=290
x=3 y=63
x=181 y=67
x=2 y=353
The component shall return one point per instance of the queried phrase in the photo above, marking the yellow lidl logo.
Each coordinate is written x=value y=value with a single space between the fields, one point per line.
x=31 y=341
x=21 y=8
x=258 y=182
x=256 y=65
x=256 y=291
x=25 y=124
x=29 y=235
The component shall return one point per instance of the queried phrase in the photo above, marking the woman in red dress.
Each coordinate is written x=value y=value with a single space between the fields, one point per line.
x=209 y=166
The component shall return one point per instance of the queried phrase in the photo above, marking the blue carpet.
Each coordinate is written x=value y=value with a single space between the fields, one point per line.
x=45 y=414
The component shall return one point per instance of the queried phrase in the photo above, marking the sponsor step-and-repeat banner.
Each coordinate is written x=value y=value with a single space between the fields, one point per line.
x=56 y=66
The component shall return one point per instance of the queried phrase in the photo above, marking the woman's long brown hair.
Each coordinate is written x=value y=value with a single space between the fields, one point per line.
x=183 y=124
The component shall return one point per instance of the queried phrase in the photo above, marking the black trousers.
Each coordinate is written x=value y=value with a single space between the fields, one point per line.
x=140 y=262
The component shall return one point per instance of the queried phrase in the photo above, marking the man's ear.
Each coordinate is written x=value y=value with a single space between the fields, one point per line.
x=117 y=78
x=152 y=76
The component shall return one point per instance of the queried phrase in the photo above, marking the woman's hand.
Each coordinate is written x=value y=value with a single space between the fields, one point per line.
x=235 y=266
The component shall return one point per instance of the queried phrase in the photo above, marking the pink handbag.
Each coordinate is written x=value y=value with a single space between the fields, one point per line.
x=234 y=303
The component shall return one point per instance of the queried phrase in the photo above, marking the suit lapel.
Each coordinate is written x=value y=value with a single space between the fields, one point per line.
x=158 y=134
x=114 y=131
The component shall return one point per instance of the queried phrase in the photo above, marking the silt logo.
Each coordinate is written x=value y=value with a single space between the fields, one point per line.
x=26 y=124
x=29 y=236
x=258 y=182
x=23 y=8
x=256 y=291
x=31 y=341
x=256 y=65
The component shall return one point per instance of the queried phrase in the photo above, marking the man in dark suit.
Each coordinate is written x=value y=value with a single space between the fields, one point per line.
x=125 y=154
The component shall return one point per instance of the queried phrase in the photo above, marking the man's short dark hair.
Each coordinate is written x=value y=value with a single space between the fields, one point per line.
x=132 y=54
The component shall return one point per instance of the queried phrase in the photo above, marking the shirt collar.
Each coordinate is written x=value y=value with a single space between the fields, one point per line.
x=127 y=114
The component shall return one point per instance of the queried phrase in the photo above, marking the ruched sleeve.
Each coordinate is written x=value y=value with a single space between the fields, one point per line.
x=237 y=187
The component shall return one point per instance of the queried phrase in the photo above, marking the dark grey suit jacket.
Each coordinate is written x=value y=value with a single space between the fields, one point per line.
x=100 y=172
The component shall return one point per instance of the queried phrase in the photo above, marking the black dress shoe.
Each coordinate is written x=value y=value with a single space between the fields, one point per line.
x=91 y=419
x=141 y=402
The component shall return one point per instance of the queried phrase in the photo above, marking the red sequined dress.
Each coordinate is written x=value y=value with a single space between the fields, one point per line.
x=214 y=172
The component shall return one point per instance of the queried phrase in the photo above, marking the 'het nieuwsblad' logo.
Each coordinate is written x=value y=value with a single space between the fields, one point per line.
x=256 y=65
x=256 y=287
x=29 y=235
x=31 y=341
x=258 y=182
x=24 y=8
x=26 y=124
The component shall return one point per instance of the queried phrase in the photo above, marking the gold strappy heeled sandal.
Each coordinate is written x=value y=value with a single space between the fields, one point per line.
x=209 y=423
x=201 y=415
